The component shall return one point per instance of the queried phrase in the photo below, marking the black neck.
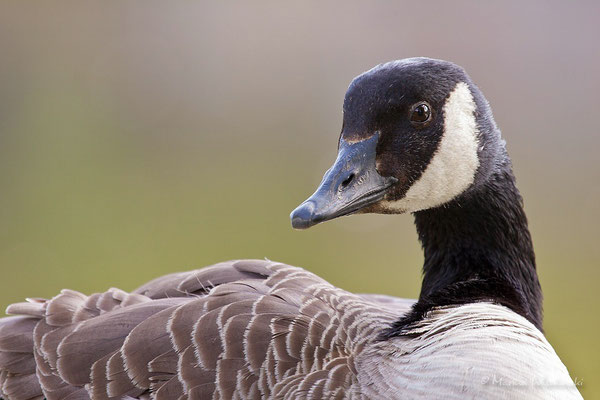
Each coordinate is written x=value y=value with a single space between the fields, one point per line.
x=478 y=248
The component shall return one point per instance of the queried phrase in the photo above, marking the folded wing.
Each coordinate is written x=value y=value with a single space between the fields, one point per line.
x=239 y=329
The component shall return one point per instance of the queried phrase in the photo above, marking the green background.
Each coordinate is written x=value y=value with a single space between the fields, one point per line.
x=142 y=138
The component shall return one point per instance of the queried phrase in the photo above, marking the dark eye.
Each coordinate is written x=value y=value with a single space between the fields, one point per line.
x=421 y=113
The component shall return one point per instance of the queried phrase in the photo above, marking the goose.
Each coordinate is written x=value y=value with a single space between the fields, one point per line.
x=418 y=137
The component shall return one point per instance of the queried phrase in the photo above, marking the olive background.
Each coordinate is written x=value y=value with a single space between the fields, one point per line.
x=139 y=138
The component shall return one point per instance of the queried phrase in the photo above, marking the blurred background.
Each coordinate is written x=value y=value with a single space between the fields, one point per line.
x=142 y=138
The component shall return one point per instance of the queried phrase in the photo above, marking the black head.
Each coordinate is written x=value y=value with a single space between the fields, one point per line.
x=417 y=133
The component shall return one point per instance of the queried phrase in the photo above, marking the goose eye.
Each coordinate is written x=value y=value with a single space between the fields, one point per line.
x=420 y=114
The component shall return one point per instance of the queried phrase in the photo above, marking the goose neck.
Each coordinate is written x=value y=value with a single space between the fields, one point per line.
x=478 y=247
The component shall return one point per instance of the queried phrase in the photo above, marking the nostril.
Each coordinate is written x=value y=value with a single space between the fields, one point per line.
x=347 y=181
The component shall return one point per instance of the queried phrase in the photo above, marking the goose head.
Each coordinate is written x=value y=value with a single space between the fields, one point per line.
x=416 y=134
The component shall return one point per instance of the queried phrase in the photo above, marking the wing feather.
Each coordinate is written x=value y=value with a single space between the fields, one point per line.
x=147 y=341
x=99 y=336
x=241 y=329
x=119 y=382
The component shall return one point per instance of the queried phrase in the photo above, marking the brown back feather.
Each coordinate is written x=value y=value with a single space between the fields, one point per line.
x=239 y=329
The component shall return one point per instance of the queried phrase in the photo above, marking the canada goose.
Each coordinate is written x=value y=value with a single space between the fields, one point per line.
x=418 y=136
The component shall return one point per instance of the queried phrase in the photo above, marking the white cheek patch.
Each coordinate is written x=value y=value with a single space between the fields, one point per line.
x=453 y=166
